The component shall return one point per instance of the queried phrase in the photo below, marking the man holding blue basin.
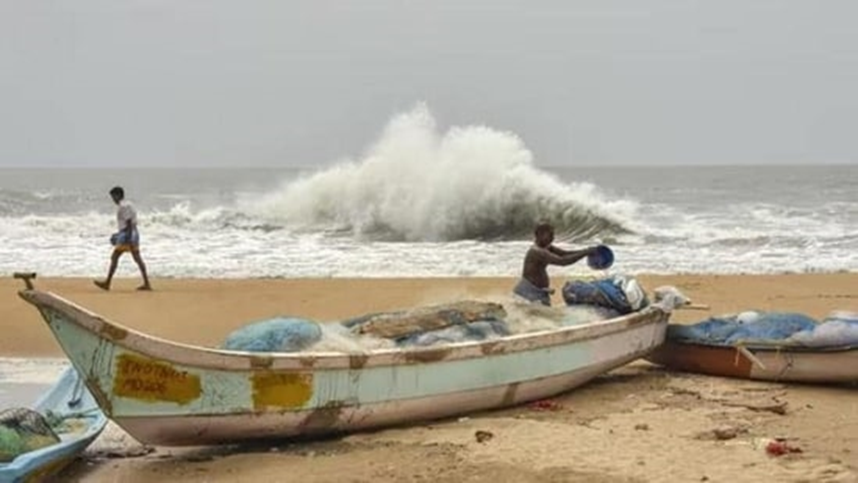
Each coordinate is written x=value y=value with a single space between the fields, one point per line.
x=534 y=283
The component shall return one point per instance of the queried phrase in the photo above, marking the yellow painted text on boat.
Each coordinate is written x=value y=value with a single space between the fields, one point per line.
x=149 y=380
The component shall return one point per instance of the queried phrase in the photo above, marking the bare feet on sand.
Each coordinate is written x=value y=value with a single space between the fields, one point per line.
x=106 y=286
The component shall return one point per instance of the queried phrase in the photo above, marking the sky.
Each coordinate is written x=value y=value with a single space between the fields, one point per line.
x=218 y=83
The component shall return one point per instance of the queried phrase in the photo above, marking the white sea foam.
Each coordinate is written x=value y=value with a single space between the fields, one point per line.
x=419 y=184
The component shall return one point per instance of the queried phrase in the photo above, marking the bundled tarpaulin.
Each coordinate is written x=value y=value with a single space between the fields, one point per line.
x=618 y=292
x=837 y=330
x=769 y=328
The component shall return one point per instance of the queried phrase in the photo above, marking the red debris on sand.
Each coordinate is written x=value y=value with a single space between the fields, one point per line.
x=780 y=447
x=546 y=405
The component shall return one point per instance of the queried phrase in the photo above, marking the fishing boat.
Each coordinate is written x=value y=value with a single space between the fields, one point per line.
x=167 y=393
x=764 y=362
x=80 y=420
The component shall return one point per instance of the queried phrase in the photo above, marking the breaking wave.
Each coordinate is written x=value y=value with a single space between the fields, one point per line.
x=419 y=184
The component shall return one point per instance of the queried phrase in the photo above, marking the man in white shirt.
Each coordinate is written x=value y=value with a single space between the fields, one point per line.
x=127 y=239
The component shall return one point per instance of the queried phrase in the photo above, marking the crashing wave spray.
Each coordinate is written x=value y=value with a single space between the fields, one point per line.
x=416 y=184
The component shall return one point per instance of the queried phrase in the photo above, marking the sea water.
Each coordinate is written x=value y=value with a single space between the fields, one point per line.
x=420 y=201
x=22 y=380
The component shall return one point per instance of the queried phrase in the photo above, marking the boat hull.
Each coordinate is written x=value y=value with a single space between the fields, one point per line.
x=173 y=394
x=220 y=428
x=838 y=365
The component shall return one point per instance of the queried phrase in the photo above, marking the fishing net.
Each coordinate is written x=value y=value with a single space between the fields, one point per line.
x=279 y=334
x=405 y=323
x=23 y=430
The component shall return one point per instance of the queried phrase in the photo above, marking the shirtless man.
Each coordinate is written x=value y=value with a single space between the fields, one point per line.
x=127 y=239
x=534 y=284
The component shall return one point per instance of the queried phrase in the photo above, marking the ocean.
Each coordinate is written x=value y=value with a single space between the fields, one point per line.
x=23 y=380
x=419 y=202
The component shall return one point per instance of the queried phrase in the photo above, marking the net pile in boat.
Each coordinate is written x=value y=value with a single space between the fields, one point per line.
x=23 y=430
x=421 y=326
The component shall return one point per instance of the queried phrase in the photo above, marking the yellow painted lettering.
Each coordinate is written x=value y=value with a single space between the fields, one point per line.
x=150 y=380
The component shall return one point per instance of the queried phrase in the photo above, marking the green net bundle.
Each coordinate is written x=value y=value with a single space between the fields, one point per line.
x=23 y=430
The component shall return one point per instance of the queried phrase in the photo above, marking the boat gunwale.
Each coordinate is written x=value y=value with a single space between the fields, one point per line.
x=212 y=358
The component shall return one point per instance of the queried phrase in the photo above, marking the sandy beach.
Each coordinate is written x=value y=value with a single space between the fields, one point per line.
x=636 y=424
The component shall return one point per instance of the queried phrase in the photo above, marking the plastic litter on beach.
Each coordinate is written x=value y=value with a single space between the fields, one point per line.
x=780 y=447
x=546 y=405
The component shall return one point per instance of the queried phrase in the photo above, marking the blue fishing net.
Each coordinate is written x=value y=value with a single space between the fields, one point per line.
x=279 y=334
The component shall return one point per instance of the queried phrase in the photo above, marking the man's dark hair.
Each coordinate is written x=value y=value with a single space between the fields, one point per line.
x=543 y=228
x=117 y=192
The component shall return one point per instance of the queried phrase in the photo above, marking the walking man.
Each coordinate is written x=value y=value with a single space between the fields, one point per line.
x=127 y=239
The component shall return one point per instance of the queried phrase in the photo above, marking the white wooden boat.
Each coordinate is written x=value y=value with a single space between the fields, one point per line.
x=84 y=421
x=166 y=393
x=761 y=362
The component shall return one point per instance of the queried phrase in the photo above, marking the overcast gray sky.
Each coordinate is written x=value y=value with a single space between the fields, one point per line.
x=303 y=82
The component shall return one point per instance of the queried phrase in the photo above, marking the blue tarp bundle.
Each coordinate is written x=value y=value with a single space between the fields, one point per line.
x=280 y=334
x=607 y=292
x=833 y=332
x=761 y=327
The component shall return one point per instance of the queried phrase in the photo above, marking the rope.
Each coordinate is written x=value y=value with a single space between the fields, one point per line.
x=77 y=393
